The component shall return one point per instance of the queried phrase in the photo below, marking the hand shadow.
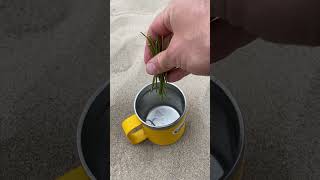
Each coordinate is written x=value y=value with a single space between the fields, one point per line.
x=226 y=38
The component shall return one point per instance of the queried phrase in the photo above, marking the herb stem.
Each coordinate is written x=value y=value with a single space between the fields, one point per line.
x=156 y=46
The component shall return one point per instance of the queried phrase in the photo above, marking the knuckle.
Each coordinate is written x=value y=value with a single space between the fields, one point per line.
x=177 y=55
x=172 y=49
x=163 y=60
x=182 y=64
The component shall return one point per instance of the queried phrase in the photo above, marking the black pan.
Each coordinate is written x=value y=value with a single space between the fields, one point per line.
x=226 y=134
x=93 y=135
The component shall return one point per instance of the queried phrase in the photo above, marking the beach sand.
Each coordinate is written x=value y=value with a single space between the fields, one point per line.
x=189 y=158
x=53 y=58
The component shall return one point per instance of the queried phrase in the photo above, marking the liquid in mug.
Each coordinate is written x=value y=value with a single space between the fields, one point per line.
x=161 y=116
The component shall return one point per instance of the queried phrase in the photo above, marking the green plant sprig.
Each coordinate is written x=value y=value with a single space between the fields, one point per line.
x=156 y=46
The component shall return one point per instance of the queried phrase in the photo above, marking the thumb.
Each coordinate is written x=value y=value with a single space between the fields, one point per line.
x=162 y=62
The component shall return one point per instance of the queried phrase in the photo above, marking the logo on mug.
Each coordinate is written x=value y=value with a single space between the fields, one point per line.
x=178 y=128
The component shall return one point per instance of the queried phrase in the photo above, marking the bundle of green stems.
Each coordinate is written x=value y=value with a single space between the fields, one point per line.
x=156 y=46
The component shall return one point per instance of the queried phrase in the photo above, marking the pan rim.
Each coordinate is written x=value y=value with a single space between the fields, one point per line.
x=240 y=155
x=80 y=126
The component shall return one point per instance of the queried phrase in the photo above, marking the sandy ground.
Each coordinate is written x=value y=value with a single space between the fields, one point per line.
x=278 y=90
x=53 y=59
x=189 y=157
x=53 y=56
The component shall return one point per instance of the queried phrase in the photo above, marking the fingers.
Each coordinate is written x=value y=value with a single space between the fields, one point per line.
x=161 y=24
x=159 y=64
x=176 y=75
x=147 y=53
x=159 y=27
x=164 y=61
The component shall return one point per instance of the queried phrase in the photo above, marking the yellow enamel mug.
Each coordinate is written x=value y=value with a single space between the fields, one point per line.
x=160 y=120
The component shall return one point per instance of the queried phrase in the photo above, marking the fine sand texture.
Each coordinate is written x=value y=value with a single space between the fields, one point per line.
x=278 y=90
x=189 y=158
x=53 y=57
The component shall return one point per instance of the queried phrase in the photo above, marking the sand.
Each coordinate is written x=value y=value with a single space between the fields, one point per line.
x=277 y=88
x=53 y=58
x=189 y=158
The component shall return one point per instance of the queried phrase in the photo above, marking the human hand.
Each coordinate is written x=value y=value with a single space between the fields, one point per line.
x=188 y=22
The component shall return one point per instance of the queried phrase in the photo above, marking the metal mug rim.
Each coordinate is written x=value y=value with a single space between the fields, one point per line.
x=168 y=125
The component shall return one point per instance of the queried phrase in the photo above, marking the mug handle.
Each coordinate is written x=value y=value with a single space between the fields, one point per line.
x=132 y=130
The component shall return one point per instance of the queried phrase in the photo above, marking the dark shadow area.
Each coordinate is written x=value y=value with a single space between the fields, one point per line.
x=94 y=135
x=226 y=131
x=225 y=38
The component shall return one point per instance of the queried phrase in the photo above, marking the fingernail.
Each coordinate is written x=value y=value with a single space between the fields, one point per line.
x=151 y=68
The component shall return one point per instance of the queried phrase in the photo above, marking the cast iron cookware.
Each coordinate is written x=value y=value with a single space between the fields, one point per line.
x=93 y=135
x=227 y=134
x=227 y=138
